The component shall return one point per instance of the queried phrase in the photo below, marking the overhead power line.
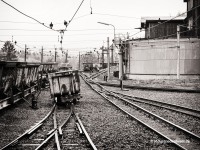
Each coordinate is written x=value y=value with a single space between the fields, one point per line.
x=74 y=14
x=28 y=16
x=67 y=30
x=18 y=22
x=117 y=16
x=55 y=35
x=166 y=20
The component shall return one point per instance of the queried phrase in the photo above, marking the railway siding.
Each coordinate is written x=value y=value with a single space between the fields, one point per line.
x=106 y=125
x=190 y=100
x=110 y=128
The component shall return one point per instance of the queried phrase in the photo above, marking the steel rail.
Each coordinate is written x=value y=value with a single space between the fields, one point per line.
x=85 y=132
x=46 y=140
x=97 y=74
x=144 y=100
x=143 y=123
x=66 y=121
x=188 y=133
x=54 y=132
x=146 y=111
x=28 y=132
x=79 y=125
x=184 y=110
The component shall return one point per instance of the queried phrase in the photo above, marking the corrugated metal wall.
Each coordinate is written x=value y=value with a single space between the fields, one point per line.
x=159 y=57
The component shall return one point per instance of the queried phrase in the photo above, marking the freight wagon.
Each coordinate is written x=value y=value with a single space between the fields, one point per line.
x=65 y=86
x=18 y=80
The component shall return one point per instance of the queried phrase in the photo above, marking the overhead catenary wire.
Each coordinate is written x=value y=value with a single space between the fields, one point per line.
x=60 y=31
x=17 y=22
x=54 y=35
x=28 y=16
x=74 y=14
x=116 y=16
x=93 y=13
x=67 y=30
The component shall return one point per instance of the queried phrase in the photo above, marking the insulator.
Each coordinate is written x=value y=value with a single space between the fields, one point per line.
x=51 y=25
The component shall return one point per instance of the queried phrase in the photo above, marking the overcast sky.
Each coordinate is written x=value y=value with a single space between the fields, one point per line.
x=84 y=33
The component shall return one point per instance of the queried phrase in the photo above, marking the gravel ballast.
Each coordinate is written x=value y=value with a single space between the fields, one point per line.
x=109 y=128
x=18 y=118
x=190 y=100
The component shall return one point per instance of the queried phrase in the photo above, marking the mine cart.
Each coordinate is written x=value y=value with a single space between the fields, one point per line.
x=65 y=86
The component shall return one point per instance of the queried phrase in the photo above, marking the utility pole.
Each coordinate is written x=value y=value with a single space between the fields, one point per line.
x=108 y=58
x=55 y=54
x=42 y=55
x=66 y=55
x=79 y=62
x=178 y=52
x=25 y=53
x=120 y=62
x=102 y=56
x=112 y=49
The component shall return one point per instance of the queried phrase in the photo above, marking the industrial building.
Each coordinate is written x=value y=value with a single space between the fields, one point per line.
x=165 y=53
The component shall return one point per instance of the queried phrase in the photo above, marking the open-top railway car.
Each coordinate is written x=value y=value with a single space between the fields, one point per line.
x=18 y=80
x=44 y=69
x=65 y=86
x=64 y=67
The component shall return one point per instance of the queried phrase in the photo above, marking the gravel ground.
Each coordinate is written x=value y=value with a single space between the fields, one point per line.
x=109 y=128
x=188 y=122
x=16 y=119
x=166 y=83
x=190 y=100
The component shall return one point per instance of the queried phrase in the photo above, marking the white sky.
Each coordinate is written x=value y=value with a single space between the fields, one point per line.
x=84 y=33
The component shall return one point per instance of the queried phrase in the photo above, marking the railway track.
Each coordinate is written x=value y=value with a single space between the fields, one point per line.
x=29 y=140
x=173 y=133
x=176 y=108
x=56 y=130
x=98 y=73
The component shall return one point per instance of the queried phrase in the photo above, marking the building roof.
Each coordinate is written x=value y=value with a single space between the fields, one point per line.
x=162 y=18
